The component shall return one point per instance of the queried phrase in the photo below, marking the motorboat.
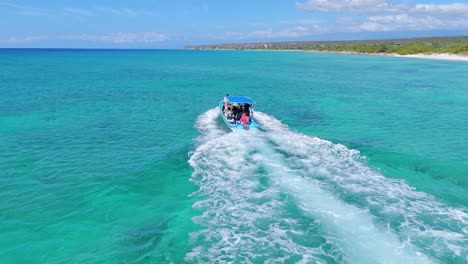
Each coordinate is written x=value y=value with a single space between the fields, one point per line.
x=231 y=109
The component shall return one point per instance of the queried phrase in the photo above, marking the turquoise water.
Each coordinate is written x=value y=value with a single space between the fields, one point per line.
x=119 y=156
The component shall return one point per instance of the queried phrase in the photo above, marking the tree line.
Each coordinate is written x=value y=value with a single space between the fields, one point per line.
x=453 y=45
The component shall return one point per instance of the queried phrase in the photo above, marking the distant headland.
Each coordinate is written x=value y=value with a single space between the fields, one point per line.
x=452 y=48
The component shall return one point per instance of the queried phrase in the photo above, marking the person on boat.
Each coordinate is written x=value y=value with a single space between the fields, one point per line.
x=244 y=119
x=235 y=112
x=229 y=116
x=239 y=111
x=230 y=108
x=247 y=109
x=225 y=102
x=231 y=120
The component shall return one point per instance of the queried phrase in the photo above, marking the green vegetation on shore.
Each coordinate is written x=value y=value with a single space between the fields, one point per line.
x=452 y=45
x=460 y=49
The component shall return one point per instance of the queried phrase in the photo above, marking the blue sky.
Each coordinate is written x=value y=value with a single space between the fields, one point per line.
x=176 y=23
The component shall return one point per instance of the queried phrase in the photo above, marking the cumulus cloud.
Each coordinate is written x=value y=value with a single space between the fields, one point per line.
x=408 y=22
x=380 y=15
x=420 y=17
x=441 y=10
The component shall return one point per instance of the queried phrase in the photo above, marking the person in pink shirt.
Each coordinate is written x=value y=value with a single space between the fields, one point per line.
x=244 y=119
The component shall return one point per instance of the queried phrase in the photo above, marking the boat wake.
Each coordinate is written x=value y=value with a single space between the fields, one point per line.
x=275 y=195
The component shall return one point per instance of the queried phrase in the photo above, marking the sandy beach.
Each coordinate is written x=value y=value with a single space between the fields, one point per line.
x=441 y=56
x=435 y=56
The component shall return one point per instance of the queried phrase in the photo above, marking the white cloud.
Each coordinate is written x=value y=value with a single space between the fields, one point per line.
x=23 y=10
x=123 y=37
x=116 y=38
x=146 y=37
x=293 y=32
x=409 y=22
x=441 y=10
x=354 y=6
x=233 y=34
x=118 y=11
x=300 y=22
x=369 y=26
x=123 y=11
x=382 y=16
x=265 y=33
x=21 y=40
x=269 y=33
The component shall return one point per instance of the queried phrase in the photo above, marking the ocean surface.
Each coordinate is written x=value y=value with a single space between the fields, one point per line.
x=120 y=156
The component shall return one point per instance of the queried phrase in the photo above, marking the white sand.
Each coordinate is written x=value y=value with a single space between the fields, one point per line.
x=434 y=56
x=440 y=56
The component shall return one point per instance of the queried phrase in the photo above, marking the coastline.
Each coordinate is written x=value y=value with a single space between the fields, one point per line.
x=433 y=56
x=436 y=56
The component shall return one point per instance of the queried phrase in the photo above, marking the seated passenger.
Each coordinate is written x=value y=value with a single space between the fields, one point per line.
x=235 y=111
x=229 y=116
x=227 y=110
x=244 y=119
x=247 y=109
x=225 y=100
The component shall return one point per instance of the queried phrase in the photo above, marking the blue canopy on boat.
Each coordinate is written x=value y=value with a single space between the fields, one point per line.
x=240 y=99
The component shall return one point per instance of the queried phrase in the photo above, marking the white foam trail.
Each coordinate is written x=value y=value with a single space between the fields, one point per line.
x=243 y=221
x=416 y=216
x=352 y=209
x=207 y=125
x=361 y=240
